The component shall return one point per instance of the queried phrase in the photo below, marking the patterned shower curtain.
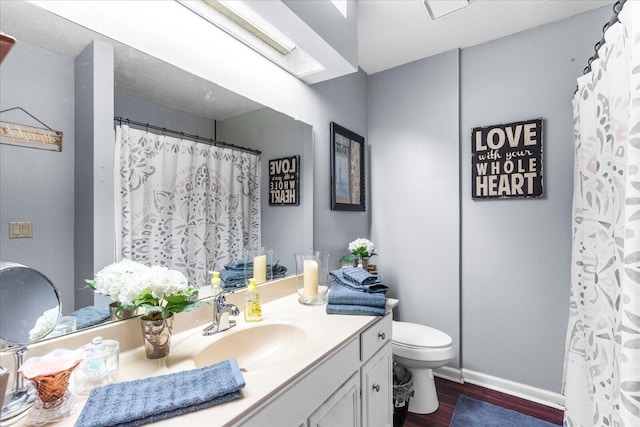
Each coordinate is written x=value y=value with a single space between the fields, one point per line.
x=184 y=205
x=602 y=360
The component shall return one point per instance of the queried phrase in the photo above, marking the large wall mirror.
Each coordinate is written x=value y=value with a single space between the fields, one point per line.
x=40 y=75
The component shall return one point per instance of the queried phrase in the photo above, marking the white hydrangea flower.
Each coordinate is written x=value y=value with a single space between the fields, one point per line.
x=44 y=324
x=364 y=247
x=136 y=285
x=112 y=279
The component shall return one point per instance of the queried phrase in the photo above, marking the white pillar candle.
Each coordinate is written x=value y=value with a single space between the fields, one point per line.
x=260 y=268
x=310 y=279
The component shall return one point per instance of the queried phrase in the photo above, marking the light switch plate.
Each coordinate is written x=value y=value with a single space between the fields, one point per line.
x=20 y=230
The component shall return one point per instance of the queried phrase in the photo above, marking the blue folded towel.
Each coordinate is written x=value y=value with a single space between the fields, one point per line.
x=371 y=287
x=235 y=276
x=360 y=276
x=342 y=295
x=355 y=309
x=239 y=264
x=90 y=315
x=139 y=402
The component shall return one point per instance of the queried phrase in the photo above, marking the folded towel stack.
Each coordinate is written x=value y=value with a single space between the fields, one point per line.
x=234 y=275
x=134 y=403
x=355 y=291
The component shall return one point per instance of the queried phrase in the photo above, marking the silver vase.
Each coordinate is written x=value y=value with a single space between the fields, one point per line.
x=157 y=336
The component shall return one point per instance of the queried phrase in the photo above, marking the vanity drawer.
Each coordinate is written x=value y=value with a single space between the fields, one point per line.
x=375 y=337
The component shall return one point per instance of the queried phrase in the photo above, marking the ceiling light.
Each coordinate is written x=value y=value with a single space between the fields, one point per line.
x=244 y=16
x=439 y=8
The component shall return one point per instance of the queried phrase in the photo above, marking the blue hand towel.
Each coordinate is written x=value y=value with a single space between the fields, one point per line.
x=139 y=402
x=343 y=295
x=90 y=315
x=355 y=309
x=373 y=287
x=360 y=276
x=236 y=277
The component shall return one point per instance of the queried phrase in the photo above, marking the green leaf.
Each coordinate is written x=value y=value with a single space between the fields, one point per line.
x=173 y=299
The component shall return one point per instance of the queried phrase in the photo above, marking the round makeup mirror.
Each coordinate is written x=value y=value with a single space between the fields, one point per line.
x=29 y=310
x=29 y=304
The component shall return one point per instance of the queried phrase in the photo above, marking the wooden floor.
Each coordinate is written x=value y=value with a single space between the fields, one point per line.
x=448 y=392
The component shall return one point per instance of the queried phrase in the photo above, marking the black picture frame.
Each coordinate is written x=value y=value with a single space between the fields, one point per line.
x=347 y=170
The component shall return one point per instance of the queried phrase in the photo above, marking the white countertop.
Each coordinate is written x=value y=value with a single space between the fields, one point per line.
x=323 y=334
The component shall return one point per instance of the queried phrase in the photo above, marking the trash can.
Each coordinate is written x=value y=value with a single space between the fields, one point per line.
x=402 y=392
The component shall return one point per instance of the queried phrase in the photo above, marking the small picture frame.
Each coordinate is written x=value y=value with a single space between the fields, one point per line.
x=347 y=170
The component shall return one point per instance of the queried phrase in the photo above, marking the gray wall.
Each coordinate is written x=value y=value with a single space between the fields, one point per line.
x=413 y=129
x=494 y=274
x=326 y=20
x=140 y=110
x=342 y=100
x=516 y=253
x=37 y=185
x=285 y=229
x=94 y=228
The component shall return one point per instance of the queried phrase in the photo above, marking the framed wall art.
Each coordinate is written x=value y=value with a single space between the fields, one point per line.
x=347 y=170
x=506 y=161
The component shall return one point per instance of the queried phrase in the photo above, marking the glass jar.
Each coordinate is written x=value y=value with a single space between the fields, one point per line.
x=99 y=365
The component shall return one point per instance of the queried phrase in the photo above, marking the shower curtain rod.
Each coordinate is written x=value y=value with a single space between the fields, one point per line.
x=617 y=7
x=196 y=138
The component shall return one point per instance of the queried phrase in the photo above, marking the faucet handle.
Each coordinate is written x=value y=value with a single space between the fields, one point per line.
x=219 y=297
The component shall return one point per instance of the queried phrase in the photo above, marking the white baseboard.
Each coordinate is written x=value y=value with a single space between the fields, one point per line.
x=449 y=373
x=534 y=394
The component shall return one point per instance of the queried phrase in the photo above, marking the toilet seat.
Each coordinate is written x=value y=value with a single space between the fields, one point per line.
x=415 y=336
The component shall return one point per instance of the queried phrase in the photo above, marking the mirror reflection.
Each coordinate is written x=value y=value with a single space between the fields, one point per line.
x=67 y=197
x=29 y=304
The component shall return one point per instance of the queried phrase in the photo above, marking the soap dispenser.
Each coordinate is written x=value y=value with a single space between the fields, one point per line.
x=215 y=282
x=252 y=303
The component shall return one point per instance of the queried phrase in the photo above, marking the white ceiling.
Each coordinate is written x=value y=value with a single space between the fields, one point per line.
x=390 y=33
x=136 y=73
x=396 y=32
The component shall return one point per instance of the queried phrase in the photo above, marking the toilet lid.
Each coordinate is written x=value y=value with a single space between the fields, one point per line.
x=415 y=335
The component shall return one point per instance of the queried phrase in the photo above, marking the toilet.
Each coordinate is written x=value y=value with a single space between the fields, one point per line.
x=421 y=349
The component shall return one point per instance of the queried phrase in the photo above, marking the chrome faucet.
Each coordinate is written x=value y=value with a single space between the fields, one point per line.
x=221 y=313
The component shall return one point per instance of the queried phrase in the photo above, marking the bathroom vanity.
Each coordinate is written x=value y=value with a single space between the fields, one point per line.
x=301 y=366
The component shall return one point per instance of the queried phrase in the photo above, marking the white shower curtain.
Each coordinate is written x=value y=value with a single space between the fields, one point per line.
x=185 y=205
x=602 y=361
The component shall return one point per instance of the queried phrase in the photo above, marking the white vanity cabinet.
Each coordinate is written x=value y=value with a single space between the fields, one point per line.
x=351 y=387
x=376 y=374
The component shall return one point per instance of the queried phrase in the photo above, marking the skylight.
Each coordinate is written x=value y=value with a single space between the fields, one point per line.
x=239 y=20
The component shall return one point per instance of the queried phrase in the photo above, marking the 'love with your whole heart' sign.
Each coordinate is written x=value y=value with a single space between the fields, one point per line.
x=506 y=160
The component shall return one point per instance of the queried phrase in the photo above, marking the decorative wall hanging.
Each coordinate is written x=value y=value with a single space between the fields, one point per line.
x=506 y=160
x=347 y=170
x=284 y=181
x=29 y=136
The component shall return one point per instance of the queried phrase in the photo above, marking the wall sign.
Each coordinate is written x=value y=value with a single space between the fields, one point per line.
x=506 y=160
x=284 y=181
x=29 y=136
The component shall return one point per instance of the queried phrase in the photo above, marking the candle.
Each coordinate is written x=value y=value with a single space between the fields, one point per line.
x=310 y=280
x=260 y=268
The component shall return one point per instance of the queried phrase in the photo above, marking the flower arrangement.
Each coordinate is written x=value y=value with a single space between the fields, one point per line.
x=160 y=291
x=362 y=248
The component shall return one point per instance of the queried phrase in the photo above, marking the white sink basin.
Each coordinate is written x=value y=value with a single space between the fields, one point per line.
x=256 y=347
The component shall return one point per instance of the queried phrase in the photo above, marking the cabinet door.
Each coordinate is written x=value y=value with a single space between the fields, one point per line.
x=377 y=389
x=342 y=408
